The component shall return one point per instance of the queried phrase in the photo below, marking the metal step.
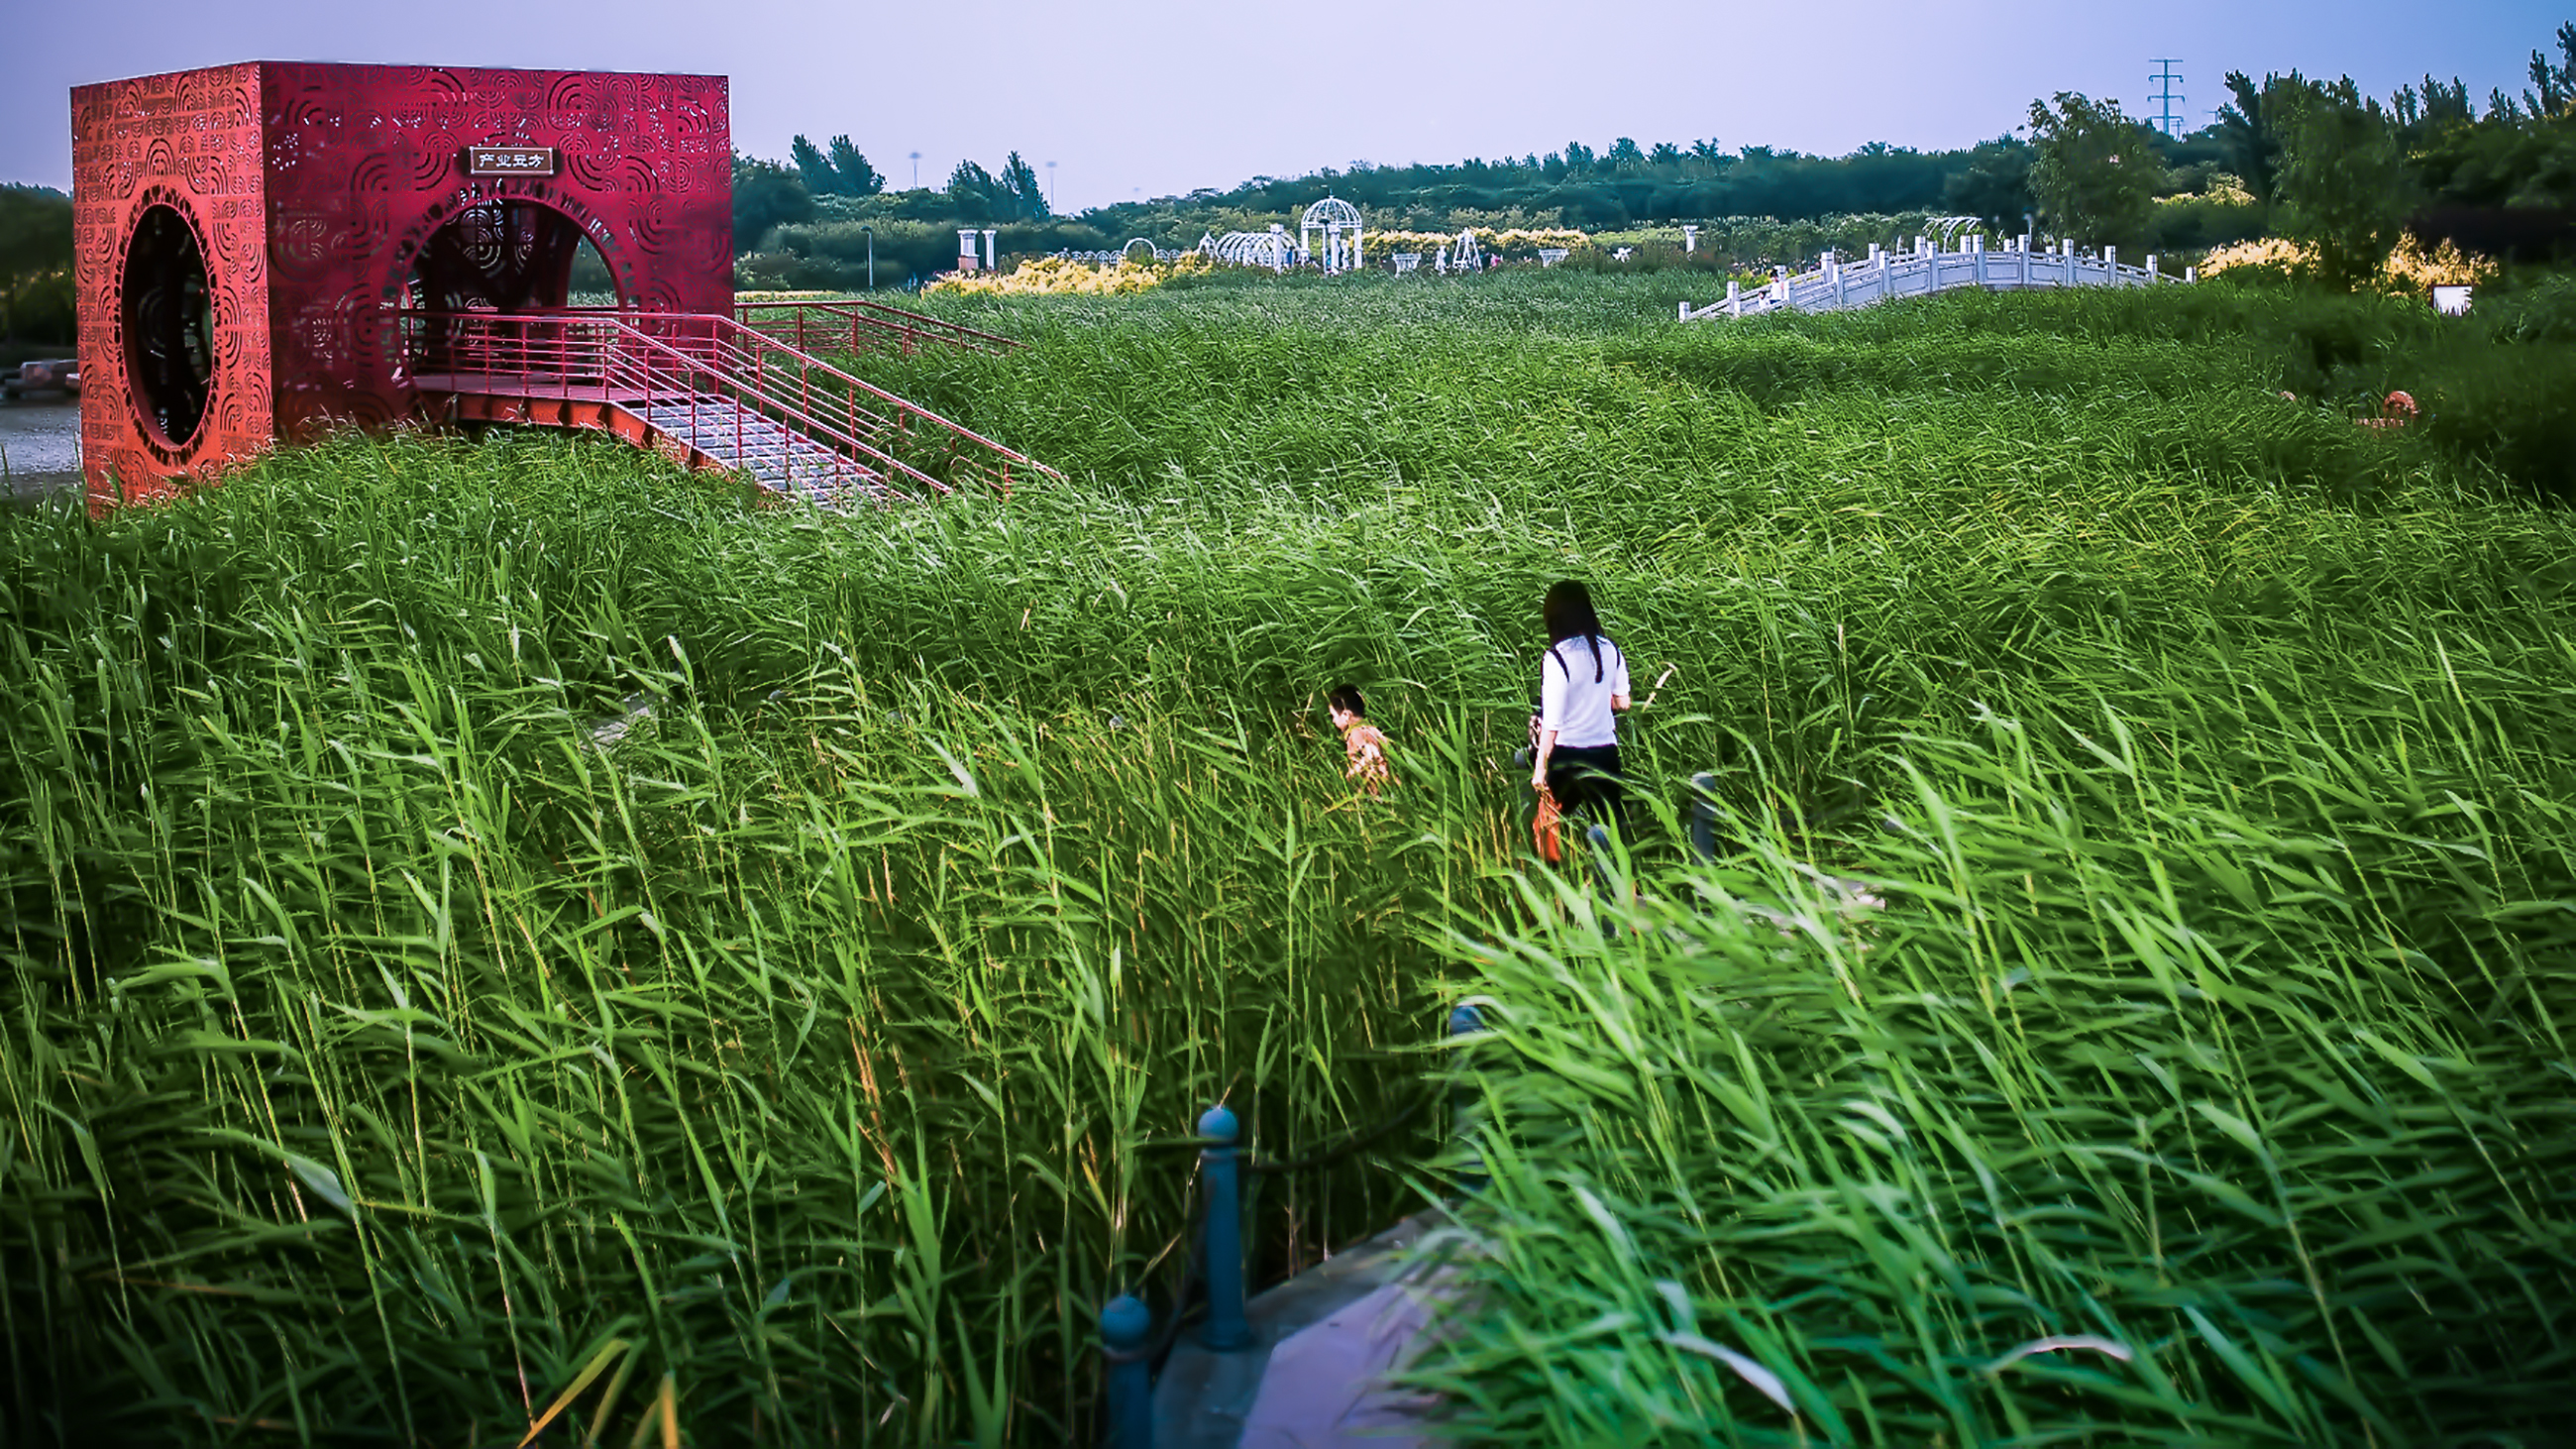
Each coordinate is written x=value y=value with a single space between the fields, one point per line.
x=779 y=456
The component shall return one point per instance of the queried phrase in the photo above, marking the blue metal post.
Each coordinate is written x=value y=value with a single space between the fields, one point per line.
x=1703 y=820
x=1465 y=1020
x=1226 y=1327
x=1125 y=1325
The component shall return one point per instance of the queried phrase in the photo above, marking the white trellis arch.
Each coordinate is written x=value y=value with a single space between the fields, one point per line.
x=1342 y=227
x=1252 y=248
x=1948 y=229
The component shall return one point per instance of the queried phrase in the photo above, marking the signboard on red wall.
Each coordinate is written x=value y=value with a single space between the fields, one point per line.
x=509 y=160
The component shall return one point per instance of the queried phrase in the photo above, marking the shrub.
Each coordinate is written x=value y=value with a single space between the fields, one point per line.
x=2511 y=408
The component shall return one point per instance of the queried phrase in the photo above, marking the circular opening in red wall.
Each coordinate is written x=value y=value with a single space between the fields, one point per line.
x=169 y=324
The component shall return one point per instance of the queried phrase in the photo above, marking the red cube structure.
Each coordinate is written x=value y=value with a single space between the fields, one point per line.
x=247 y=233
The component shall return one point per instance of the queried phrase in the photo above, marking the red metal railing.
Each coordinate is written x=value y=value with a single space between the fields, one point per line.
x=714 y=372
x=859 y=326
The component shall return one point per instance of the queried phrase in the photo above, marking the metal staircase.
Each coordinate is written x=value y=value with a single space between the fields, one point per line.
x=782 y=459
x=707 y=391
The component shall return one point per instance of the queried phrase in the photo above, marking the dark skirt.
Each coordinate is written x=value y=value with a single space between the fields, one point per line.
x=1586 y=781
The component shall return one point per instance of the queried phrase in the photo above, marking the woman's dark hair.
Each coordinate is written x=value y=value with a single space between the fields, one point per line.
x=1346 y=698
x=1568 y=614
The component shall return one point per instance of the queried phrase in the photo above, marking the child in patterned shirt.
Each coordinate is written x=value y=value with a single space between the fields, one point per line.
x=1363 y=744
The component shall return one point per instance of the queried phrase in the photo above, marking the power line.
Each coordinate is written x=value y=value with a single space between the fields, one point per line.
x=2167 y=99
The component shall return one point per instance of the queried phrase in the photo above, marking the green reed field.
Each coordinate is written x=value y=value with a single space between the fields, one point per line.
x=390 y=1041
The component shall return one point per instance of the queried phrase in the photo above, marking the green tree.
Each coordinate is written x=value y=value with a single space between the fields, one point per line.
x=976 y=193
x=813 y=168
x=765 y=195
x=852 y=170
x=2554 y=86
x=2343 y=185
x=35 y=253
x=2245 y=129
x=2093 y=171
x=2433 y=108
x=1020 y=187
x=1996 y=186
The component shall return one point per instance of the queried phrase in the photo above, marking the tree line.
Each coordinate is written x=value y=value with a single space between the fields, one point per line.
x=2312 y=159
x=2334 y=169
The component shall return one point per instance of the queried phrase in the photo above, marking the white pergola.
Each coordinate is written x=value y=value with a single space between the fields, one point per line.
x=1340 y=223
x=1252 y=248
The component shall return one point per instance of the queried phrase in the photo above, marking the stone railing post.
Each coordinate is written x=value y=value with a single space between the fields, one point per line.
x=1125 y=1326
x=1734 y=298
x=1219 y=1164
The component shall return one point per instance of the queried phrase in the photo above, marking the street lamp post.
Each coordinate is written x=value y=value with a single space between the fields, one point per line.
x=916 y=171
x=1050 y=186
x=870 y=233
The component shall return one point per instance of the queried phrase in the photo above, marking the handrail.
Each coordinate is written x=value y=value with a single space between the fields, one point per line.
x=1835 y=284
x=914 y=329
x=1212 y=1275
x=694 y=357
x=571 y=357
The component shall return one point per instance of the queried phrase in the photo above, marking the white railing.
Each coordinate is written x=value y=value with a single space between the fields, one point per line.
x=1835 y=284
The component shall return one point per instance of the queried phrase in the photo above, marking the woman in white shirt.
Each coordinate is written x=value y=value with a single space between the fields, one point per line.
x=1583 y=687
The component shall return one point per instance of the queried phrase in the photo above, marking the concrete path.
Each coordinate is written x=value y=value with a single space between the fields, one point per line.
x=39 y=446
x=1312 y=1376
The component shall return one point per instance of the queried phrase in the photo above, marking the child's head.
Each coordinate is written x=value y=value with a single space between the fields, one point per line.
x=1346 y=706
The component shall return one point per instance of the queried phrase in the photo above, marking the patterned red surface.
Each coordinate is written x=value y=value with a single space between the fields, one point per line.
x=319 y=198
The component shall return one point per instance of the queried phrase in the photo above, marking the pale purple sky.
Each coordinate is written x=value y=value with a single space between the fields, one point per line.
x=1145 y=99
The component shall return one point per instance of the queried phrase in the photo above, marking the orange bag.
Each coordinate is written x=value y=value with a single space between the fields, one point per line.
x=1544 y=828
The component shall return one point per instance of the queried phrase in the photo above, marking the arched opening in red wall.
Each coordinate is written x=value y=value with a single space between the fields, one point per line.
x=502 y=254
x=508 y=254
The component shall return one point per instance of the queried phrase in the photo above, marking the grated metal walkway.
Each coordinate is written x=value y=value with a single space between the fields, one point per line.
x=779 y=456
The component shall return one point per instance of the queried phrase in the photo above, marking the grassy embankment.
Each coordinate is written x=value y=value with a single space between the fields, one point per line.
x=380 y=1046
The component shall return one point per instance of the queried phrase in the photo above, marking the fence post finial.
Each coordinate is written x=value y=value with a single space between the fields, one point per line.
x=1465 y=1020
x=1219 y=1164
x=1125 y=1326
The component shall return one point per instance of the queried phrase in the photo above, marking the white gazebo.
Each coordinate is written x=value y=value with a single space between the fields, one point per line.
x=1340 y=223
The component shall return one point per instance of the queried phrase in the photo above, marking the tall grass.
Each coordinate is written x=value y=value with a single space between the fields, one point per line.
x=388 y=1042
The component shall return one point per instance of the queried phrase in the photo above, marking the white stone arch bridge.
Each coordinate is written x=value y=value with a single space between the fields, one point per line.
x=1835 y=285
